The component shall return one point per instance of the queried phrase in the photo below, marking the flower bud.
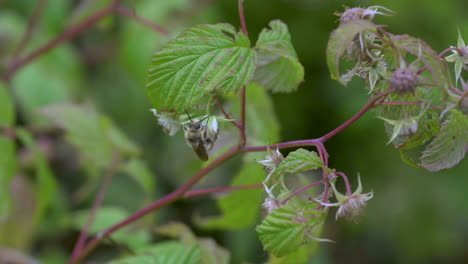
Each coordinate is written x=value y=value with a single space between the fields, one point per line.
x=404 y=81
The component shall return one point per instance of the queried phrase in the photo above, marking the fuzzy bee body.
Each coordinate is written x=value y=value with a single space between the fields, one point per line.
x=201 y=136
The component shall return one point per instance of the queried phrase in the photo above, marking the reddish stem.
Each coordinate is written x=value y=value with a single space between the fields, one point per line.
x=32 y=23
x=96 y=204
x=175 y=195
x=455 y=90
x=441 y=56
x=301 y=190
x=131 y=14
x=349 y=191
x=70 y=33
x=221 y=189
x=221 y=108
x=242 y=18
x=354 y=118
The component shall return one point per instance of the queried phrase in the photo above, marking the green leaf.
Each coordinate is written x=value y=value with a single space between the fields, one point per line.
x=240 y=208
x=140 y=172
x=448 y=147
x=288 y=228
x=46 y=183
x=202 y=59
x=173 y=252
x=7 y=110
x=278 y=68
x=95 y=136
x=340 y=40
x=300 y=160
x=7 y=171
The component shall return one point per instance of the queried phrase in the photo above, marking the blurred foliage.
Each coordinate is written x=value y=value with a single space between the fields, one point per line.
x=414 y=217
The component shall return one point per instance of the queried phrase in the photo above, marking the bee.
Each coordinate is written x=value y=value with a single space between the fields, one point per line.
x=201 y=135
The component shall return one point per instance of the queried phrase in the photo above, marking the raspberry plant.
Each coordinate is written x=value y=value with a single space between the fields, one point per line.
x=217 y=70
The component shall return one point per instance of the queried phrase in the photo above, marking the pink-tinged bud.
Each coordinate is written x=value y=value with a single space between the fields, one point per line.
x=272 y=160
x=351 y=14
x=355 y=13
x=353 y=207
x=350 y=206
x=404 y=81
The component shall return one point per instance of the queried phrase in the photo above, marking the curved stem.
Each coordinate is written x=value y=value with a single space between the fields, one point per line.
x=221 y=189
x=242 y=18
x=349 y=191
x=175 y=195
x=221 y=108
x=355 y=117
x=148 y=23
x=301 y=190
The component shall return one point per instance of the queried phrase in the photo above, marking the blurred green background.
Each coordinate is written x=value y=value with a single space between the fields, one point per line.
x=414 y=217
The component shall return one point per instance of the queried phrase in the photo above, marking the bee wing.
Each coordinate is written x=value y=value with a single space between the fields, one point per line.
x=200 y=150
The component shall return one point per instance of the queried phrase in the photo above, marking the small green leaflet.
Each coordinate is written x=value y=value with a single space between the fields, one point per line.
x=298 y=161
x=287 y=228
x=202 y=59
x=301 y=160
x=340 y=40
x=448 y=147
x=278 y=68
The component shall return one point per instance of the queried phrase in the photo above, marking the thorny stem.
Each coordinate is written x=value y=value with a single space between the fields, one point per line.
x=148 y=23
x=301 y=190
x=349 y=191
x=70 y=33
x=96 y=204
x=32 y=23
